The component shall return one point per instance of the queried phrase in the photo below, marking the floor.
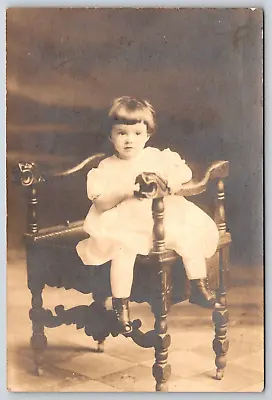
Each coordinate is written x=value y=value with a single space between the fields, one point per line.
x=72 y=364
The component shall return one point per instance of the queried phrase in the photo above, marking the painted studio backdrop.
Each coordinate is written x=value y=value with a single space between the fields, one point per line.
x=201 y=69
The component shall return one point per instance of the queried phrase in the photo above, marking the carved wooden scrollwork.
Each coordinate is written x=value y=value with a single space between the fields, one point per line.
x=29 y=173
x=96 y=321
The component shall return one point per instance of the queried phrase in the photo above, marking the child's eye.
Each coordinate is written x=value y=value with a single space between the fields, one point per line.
x=138 y=133
x=121 y=133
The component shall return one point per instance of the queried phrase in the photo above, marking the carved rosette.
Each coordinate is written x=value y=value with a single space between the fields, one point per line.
x=29 y=173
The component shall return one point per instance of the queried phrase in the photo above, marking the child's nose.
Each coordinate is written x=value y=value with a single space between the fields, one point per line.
x=129 y=138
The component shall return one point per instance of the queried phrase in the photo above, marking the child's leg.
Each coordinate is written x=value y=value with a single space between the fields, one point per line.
x=121 y=273
x=195 y=267
x=197 y=272
x=121 y=277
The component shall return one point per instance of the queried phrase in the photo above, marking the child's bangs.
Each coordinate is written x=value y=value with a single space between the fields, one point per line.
x=130 y=110
x=137 y=115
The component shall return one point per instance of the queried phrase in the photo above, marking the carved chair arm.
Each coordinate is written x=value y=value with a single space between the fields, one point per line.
x=218 y=169
x=152 y=186
x=90 y=162
x=28 y=173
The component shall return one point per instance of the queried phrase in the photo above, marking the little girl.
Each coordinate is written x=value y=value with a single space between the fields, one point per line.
x=120 y=224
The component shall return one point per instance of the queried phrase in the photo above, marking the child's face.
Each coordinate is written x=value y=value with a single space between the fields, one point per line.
x=129 y=140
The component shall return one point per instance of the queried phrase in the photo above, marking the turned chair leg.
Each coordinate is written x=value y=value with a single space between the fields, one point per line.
x=220 y=313
x=220 y=341
x=38 y=340
x=161 y=369
x=220 y=319
x=100 y=304
x=101 y=346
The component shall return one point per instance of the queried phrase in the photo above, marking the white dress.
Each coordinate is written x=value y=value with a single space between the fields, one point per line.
x=188 y=230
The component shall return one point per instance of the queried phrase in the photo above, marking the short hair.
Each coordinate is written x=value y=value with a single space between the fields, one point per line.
x=129 y=110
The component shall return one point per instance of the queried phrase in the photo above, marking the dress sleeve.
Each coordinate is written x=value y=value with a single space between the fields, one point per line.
x=176 y=171
x=97 y=181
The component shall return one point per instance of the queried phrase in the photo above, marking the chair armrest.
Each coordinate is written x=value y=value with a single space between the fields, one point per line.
x=153 y=187
x=31 y=175
x=28 y=173
x=218 y=169
x=90 y=162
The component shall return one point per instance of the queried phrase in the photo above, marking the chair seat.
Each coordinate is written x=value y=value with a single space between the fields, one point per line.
x=63 y=237
x=60 y=236
x=68 y=236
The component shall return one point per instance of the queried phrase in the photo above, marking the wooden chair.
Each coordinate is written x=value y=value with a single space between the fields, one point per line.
x=52 y=260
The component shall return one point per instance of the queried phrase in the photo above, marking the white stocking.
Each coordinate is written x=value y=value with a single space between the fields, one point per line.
x=195 y=267
x=121 y=273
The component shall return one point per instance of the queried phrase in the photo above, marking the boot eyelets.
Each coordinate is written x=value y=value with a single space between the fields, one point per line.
x=121 y=309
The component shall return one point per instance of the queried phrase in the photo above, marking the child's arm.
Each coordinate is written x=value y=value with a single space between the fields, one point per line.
x=180 y=174
x=110 y=199
x=104 y=191
x=177 y=171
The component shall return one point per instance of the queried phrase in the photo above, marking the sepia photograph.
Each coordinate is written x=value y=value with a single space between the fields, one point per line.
x=134 y=181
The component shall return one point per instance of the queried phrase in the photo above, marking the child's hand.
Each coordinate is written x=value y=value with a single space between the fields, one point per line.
x=137 y=192
x=131 y=190
x=151 y=185
x=136 y=187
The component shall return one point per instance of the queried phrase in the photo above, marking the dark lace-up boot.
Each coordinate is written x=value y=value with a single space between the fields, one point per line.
x=121 y=308
x=201 y=293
